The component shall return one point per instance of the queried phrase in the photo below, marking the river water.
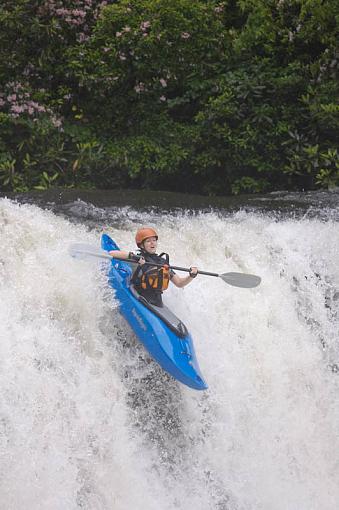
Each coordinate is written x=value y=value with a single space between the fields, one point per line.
x=88 y=421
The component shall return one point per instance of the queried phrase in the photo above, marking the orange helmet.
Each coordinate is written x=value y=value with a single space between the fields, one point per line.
x=143 y=233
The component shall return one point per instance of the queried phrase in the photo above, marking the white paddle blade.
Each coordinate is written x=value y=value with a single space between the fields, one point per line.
x=246 y=281
x=87 y=251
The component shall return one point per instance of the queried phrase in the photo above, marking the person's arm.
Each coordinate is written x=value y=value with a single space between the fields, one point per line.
x=182 y=282
x=121 y=255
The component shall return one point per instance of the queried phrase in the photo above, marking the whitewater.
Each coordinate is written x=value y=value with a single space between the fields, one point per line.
x=88 y=421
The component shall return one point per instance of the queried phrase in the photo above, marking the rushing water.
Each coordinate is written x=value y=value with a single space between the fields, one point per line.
x=88 y=421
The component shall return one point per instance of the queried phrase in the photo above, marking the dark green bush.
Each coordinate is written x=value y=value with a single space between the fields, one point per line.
x=206 y=96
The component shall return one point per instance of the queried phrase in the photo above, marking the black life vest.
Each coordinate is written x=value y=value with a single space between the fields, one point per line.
x=152 y=278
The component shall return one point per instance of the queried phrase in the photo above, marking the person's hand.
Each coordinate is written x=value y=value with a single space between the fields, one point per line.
x=193 y=272
x=133 y=256
x=142 y=261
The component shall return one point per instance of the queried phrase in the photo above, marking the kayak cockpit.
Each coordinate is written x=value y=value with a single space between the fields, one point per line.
x=164 y=313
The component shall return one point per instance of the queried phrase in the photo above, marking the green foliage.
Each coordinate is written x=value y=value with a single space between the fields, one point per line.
x=249 y=185
x=47 y=181
x=206 y=96
x=328 y=175
x=148 y=57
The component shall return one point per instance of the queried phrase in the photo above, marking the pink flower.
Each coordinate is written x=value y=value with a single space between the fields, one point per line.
x=17 y=109
x=62 y=12
x=162 y=98
x=140 y=87
x=56 y=122
x=145 y=24
x=118 y=34
x=163 y=82
x=185 y=35
x=78 y=12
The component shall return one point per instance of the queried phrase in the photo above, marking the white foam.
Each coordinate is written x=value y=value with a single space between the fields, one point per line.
x=77 y=432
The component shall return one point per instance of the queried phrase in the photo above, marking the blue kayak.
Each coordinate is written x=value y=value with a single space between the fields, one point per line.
x=164 y=335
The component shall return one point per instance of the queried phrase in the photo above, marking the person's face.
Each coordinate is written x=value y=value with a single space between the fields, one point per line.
x=150 y=244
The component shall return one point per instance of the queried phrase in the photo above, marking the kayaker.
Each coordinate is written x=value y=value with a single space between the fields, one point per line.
x=151 y=281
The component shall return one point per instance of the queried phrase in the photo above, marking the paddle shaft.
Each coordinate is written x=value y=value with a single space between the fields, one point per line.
x=207 y=273
x=236 y=279
x=178 y=268
x=103 y=255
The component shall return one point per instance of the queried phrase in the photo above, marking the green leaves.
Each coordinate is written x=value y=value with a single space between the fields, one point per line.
x=227 y=96
x=47 y=181
x=328 y=175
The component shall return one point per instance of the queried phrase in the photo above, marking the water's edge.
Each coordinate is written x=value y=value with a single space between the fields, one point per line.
x=287 y=203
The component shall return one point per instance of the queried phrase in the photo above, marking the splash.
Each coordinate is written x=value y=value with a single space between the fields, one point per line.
x=89 y=421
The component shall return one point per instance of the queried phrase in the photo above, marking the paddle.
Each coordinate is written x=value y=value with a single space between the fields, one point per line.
x=246 y=281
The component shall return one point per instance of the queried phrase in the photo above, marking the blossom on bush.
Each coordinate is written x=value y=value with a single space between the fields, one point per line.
x=145 y=25
x=219 y=9
x=140 y=87
x=18 y=102
x=79 y=14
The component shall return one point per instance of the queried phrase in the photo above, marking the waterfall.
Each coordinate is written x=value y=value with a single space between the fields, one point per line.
x=88 y=421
